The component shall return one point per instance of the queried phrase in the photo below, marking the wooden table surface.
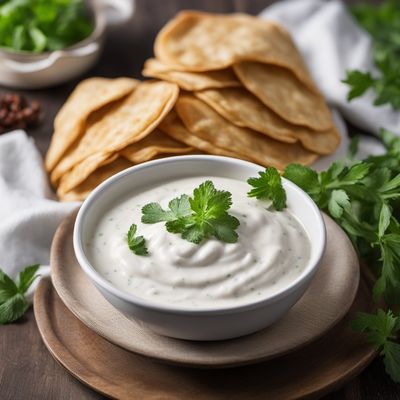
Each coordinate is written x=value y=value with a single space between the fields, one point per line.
x=27 y=370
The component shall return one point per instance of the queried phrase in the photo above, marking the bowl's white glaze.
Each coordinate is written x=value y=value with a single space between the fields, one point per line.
x=214 y=324
x=26 y=70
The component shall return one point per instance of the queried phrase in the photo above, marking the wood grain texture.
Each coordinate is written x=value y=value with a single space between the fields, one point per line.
x=27 y=370
x=330 y=361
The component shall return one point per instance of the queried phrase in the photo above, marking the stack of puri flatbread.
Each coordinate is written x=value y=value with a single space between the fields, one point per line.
x=231 y=85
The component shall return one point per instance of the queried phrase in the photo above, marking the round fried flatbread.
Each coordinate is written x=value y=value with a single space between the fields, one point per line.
x=202 y=121
x=242 y=108
x=88 y=96
x=191 y=80
x=283 y=93
x=116 y=127
x=198 y=41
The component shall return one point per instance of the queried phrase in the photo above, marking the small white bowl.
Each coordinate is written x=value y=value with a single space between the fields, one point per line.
x=197 y=324
x=27 y=70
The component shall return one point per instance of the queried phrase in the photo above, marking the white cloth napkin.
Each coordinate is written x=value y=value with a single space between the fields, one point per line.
x=331 y=43
x=29 y=214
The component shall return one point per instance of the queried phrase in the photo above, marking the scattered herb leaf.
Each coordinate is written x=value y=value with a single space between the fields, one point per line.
x=136 y=244
x=13 y=303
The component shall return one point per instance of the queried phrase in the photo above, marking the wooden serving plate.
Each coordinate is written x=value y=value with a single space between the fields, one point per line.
x=324 y=304
x=311 y=372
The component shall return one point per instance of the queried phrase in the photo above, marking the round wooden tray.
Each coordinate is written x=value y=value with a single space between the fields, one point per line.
x=311 y=372
x=325 y=303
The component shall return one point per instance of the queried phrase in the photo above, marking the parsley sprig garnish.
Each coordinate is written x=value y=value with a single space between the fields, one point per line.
x=363 y=197
x=13 y=303
x=137 y=244
x=268 y=186
x=383 y=24
x=197 y=217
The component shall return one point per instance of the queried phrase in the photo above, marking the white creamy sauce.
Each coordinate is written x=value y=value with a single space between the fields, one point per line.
x=272 y=251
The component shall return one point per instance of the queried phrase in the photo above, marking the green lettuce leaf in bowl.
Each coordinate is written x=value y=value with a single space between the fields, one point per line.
x=43 y=25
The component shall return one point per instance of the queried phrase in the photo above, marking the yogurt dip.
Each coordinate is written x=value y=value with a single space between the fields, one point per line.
x=272 y=251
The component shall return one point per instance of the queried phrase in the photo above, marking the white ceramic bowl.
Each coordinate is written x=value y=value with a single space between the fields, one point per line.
x=214 y=324
x=26 y=70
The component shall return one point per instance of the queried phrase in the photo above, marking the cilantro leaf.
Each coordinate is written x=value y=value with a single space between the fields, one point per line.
x=268 y=186
x=359 y=83
x=338 y=202
x=355 y=173
x=153 y=213
x=381 y=329
x=305 y=178
x=391 y=359
x=136 y=244
x=225 y=228
x=384 y=219
x=13 y=303
x=178 y=208
x=199 y=217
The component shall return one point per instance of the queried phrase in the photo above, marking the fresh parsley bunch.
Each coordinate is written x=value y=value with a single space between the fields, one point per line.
x=13 y=303
x=363 y=197
x=383 y=24
x=42 y=25
x=198 y=217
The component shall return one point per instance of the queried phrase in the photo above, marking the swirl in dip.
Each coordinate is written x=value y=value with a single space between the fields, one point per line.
x=272 y=251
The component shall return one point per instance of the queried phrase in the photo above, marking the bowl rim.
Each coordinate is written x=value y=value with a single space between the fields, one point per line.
x=99 y=280
x=99 y=25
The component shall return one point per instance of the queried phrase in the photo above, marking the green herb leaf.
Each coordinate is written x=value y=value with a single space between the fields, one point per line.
x=153 y=213
x=136 y=244
x=384 y=219
x=199 y=217
x=13 y=308
x=26 y=278
x=7 y=287
x=268 y=186
x=304 y=177
x=381 y=329
x=13 y=303
x=391 y=359
x=178 y=208
x=359 y=83
x=338 y=202
x=354 y=174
